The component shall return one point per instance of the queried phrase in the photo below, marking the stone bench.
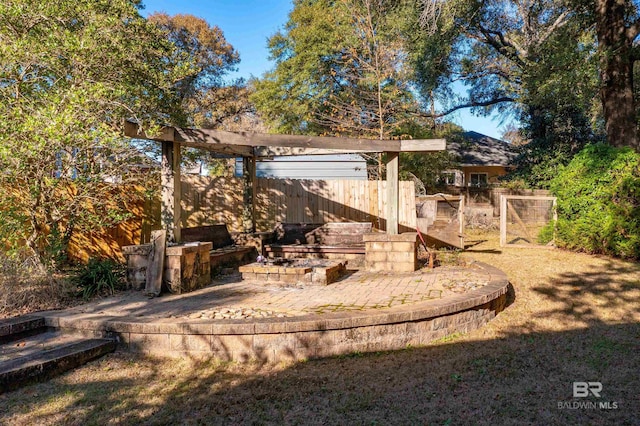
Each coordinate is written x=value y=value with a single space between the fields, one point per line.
x=336 y=240
x=225 y=250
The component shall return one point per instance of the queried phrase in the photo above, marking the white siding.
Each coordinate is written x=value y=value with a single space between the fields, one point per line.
x=317 y=167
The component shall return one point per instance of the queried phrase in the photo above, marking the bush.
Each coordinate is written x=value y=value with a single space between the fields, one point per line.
x=599 y=202
x=99 y=277
x=547 y=233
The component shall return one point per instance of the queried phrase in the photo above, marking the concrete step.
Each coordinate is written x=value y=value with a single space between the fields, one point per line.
x=45 y=355
x=16 y=328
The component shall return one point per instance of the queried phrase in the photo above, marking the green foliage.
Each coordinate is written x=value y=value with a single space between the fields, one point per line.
x=547 y=233
x=339 y=70
x=536 y=62
x=71 y=73
x=99 y=277
x=599 y=202
x=425 y=169
x=206 y=56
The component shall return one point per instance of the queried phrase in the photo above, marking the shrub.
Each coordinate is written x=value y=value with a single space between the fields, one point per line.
x=547 y=233
x=99 y=277
x=599 y=202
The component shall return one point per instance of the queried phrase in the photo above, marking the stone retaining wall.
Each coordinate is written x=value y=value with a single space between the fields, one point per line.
x=297 y=338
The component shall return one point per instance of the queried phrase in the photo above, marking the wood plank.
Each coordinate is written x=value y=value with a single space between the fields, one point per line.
x=254 y=193
x=373 y=203
x=413 y=145
x=529 y=197
x=503 y=221
x=423 y=145
x=280 y=151
x=340 y=208
x=232 y=142
x=133 y=130
x=248 y=224
x=171 y=190
x=155 y=267
x=333 y=217
x=214 y=137
x=392 y=193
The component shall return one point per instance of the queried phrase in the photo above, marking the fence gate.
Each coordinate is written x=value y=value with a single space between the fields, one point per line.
x=527 y=221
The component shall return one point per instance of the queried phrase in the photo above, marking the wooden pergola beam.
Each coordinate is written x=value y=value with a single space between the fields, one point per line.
x=249 y=144
x=254 y=145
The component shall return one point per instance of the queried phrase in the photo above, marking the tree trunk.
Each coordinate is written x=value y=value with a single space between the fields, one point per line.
x=615 y=39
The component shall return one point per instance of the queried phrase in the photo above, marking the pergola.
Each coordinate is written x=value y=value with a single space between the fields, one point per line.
x=252 y=146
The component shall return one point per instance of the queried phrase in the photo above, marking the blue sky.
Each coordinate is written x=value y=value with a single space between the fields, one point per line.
x=248 y=23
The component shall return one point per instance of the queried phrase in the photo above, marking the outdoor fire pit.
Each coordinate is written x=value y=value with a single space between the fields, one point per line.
x=295 y=271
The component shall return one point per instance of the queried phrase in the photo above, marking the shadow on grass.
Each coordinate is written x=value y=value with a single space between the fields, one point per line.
x=472 y=243
x=585 y=295
x=516 y=377
x=519 y=379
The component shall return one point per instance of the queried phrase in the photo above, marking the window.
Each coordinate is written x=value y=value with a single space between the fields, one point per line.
x=478 y=179
x=448 y=178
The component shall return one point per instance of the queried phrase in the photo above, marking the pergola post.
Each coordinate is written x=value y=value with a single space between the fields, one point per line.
x=171 y=190
x=249 y=194
x=392 y=192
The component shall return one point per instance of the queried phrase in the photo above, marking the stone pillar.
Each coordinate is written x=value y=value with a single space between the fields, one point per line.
x=187 y=267
x=393 y=253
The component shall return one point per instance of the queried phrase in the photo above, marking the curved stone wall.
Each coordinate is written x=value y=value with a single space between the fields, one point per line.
x=305 y=337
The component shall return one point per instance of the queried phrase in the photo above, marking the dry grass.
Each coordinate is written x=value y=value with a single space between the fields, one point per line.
x=25 y=288
x=573 y=317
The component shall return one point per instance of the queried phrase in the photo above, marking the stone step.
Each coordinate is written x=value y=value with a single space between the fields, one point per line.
x=16 y=328
x=45 y=355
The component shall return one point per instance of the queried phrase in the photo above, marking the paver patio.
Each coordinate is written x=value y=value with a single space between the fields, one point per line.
x=229 y=296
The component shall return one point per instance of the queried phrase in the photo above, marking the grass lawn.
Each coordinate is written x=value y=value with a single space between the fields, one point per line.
x=573 y=317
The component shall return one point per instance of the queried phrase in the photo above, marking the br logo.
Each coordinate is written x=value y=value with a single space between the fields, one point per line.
x=583 y=389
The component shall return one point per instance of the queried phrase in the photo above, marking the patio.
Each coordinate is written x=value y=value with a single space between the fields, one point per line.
x=241 y=320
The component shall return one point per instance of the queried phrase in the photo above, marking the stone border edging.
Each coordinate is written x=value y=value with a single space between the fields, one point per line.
x=497 y=287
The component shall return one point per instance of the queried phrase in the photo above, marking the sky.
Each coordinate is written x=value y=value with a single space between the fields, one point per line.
x=247 y=24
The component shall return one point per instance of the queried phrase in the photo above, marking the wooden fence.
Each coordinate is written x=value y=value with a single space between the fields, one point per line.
x=315 y=201
x=207 y=201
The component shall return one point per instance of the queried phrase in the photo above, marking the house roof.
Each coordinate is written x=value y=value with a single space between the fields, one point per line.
x=476 y=149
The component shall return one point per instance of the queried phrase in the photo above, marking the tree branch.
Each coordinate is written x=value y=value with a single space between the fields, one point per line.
x=560 y=22
x=470 y=104
x=633 y=30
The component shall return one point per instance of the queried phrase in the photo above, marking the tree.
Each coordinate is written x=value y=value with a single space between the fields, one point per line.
x=507 y=49
x=535 y=60
x=339 y=70
x=207 y=99
x=618 y=26
x=70 y=73
x=206 y=56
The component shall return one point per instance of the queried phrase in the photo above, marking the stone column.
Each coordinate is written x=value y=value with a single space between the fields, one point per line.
x=393 y=253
